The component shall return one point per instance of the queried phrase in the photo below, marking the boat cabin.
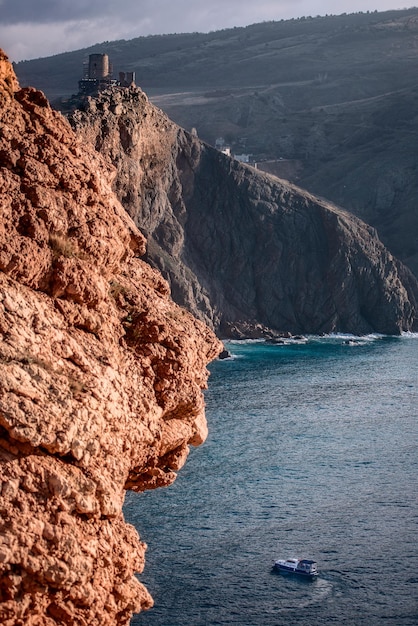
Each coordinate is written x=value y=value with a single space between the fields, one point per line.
x=308 y=566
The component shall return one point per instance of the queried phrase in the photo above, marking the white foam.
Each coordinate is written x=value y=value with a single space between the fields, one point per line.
x=409 y=335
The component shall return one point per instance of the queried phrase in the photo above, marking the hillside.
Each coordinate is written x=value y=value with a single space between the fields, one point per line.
x=307 y=49
x=328 y=103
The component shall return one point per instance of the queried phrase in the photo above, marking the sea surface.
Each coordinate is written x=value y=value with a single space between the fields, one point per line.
x=312 y=452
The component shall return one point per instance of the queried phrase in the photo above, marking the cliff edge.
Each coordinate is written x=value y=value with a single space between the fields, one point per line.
x=101 y=376
x=243 y=250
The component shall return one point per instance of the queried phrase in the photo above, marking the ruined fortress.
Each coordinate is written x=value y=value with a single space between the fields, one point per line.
x=98 y=75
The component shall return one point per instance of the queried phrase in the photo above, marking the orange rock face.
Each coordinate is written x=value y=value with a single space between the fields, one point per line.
x=101 y=376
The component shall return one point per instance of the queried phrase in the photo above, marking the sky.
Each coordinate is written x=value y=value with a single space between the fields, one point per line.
x=39 y=28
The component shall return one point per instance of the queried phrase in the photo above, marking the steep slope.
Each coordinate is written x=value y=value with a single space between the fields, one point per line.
x=355 y=149
x=240 y=248
x=100 y=376
x=369 y=166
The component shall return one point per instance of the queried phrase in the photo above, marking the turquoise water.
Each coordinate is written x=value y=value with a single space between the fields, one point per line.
x=312 y=452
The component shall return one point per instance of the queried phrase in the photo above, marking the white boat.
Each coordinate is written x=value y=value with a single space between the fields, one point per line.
x=303 y=567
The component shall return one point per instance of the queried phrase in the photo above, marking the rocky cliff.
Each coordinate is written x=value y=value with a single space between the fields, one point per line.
x=101 y=376
x=241 y=249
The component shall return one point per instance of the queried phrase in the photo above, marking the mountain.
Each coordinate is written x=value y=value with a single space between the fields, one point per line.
x=328 y=103
x=101 y=376
x=242 y=250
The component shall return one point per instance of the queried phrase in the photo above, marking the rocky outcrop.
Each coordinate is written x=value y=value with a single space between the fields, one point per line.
x=242 y=250
x=101 y=376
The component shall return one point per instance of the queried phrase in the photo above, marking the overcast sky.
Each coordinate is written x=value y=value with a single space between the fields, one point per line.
x=38 y=28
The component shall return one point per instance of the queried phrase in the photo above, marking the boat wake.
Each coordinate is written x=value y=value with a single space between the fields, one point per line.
x=318 y=592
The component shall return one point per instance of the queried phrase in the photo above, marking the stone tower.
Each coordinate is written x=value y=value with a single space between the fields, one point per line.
x=98 y=66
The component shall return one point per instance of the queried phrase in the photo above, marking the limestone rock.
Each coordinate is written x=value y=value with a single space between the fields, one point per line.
x=241 y=249
x=101 y=376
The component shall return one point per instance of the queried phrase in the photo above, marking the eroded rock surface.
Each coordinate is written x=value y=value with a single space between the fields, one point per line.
x=244 y=251
x=101 y=376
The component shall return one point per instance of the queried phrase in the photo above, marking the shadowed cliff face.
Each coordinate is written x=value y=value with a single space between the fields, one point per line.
x=244 y=250
x=101 y=376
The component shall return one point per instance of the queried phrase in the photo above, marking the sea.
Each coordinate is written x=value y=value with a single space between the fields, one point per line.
x=312 y=452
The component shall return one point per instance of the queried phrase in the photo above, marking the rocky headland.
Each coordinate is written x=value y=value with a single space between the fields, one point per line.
x=101 y=376
x=246 y=252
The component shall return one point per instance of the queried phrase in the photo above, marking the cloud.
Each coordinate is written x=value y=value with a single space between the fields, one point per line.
x=44 y=27
x=36 y=28
x=29 y=41
x=51 y=11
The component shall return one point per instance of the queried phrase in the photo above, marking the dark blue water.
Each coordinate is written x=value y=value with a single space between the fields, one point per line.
x=312 y=452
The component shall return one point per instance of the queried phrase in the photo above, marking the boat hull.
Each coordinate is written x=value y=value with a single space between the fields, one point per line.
x=288 y=570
